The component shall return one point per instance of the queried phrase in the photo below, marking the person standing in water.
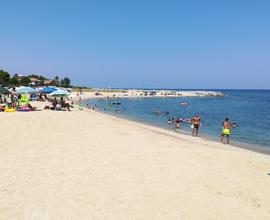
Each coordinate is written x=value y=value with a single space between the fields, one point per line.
x=195 y=125
x=157 y=111
x=225 y=131
x=177 y=123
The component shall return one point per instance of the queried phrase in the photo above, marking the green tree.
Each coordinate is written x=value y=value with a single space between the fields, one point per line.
x=56 y=81
x=25 y=81
x=4 y=77
x=33 y=76
x=42 y=78
x=14 y=81
x=65 y=82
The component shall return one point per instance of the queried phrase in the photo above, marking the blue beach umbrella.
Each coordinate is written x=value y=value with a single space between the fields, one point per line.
x=25 y=90
x=47 y=90
x=38 y=89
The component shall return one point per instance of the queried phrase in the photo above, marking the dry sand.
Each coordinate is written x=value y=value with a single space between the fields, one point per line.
x=87 y=165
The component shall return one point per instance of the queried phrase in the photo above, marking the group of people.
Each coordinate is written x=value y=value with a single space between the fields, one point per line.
x=11 y=101
x=59 y=105
x=196 y=122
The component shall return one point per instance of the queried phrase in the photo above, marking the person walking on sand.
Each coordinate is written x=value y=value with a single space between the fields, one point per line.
x=225 y=131
x=195 y=125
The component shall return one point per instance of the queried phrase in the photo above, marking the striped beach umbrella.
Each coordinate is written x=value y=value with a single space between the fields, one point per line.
x=60 y=93
x=3 y=90
x=25 y=90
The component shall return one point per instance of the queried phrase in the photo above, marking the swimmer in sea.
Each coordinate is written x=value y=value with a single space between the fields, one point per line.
x=157 y=111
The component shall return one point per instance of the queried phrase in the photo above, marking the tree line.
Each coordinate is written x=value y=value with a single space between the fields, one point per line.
x=31 y=80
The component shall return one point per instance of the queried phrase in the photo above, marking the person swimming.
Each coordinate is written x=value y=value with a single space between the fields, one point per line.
x=157 y=111
x=184 y=103
x=169 y=121
x=117 y=110
x=186 y=120
x=225 y=131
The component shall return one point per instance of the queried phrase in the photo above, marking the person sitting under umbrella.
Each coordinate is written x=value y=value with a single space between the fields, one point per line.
x=64 y=104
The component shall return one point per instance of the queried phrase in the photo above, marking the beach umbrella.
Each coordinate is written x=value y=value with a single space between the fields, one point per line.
x=48 y=90
x=25 y=90
x=38 y=89
x=60 y=93
x=3 y=90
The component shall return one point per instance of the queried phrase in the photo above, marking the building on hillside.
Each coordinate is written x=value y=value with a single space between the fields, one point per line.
x=35 y=82
x=52 y=82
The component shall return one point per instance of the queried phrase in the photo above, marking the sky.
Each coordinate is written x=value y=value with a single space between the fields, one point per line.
x=139 y=44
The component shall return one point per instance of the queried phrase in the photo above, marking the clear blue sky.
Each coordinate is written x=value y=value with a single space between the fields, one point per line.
x=140 y=43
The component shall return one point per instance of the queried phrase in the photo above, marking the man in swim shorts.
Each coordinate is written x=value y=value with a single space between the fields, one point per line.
x=225 y=131
x=195 y=123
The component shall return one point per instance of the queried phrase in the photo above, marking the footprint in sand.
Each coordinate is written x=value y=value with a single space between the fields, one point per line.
x=255 y=202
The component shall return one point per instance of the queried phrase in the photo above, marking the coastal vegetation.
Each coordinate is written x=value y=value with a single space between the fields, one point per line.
x=6 y=79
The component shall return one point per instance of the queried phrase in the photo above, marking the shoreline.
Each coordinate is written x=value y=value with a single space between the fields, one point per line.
x=242 y=145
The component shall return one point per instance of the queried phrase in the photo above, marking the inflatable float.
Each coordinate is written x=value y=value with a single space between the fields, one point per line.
x=8 y=109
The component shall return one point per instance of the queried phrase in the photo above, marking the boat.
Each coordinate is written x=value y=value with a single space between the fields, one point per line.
x=184 y=103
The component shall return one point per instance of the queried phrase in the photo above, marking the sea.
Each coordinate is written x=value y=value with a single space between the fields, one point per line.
x=249 y=109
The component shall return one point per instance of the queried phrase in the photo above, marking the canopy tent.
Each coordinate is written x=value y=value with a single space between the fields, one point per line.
x=48 y=90
x=25 y=90
x=60 y=93
x=3 y=90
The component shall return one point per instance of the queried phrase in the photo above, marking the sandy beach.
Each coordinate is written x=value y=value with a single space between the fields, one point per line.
x=88 y=165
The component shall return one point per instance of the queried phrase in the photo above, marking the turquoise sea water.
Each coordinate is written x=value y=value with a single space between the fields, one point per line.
x=250 y=109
